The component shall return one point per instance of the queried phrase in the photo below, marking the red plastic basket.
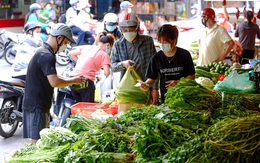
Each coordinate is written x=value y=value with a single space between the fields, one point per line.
x=86 y=109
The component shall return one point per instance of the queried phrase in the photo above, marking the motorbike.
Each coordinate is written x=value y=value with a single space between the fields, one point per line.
x=2 y=43
x=11 y=96
x=62 y=58
x=11 y=46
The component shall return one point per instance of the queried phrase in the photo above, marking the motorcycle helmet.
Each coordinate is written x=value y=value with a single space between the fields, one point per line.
x=30 y=26
x=72 y=2
x=208 y=12
x=34 y=6
x=61 y=29
x=129 y=20
x=110 y=19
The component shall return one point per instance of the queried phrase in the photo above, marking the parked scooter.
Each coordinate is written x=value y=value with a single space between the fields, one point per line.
x=62 y=58
x=2 y=43
x=11 y=96
x=12 y=45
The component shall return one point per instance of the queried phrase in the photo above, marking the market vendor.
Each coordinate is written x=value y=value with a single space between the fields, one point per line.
x=213 y=40
x=170 y=63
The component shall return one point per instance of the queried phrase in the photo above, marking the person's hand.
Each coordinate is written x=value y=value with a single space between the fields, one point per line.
x=127 y=63
x=144 y=86
x=79 y=80
x=170 y=83
x=154 y=96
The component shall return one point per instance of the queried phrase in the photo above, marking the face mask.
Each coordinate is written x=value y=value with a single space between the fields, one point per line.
x=48 y=8
x=107 y=50
x=37 y=36
x=130 y=36
x=193 y=11
x=87 y=10
x=38 y=11
x=221 y=20
x=204 y=23
x=165 y=47
x=62 y=47
x=129 y=10
x=110 y=28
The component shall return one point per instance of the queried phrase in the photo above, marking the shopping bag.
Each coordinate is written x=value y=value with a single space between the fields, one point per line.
x=127 y=92
x=236 y=83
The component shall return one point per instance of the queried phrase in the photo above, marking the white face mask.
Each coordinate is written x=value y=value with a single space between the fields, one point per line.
x=130 y=36
x=221 y=20
x=129 y=10
x=48 y=8
x=62 y=47
x=107 y=50
x=87 y=10
x=37 y=36
x=165 y=47
x=38 y=11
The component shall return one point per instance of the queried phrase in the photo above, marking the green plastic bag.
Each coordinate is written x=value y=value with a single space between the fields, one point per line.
x=128 y=93
x=77 y=87
x=236 y=83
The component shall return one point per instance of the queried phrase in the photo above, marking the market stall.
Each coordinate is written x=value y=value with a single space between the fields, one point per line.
x=196 y=124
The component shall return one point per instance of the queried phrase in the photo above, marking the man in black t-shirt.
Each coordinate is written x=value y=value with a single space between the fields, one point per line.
x=41 y=79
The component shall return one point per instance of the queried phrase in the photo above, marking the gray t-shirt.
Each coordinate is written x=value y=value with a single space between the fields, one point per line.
x=247 y=34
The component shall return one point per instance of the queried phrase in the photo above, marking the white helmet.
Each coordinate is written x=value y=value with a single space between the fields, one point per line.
x=34 y=6
x=72 y=2
x=129 y=20
x=110 y=19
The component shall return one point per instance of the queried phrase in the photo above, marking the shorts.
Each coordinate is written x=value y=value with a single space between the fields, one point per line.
x=33 y=122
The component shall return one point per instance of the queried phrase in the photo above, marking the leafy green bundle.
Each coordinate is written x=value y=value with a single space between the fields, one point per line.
x=190 y=95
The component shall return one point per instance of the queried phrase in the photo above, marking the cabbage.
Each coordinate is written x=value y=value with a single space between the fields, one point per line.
x=55 y=137
x=205 y=82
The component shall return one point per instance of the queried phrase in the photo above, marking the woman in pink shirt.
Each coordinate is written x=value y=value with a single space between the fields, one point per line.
x=90 y=60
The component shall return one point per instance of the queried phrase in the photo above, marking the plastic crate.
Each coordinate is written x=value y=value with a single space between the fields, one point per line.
x=86 y=109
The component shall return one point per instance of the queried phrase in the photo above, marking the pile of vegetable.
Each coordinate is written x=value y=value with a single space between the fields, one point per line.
x=213 y=129
x=214 y=71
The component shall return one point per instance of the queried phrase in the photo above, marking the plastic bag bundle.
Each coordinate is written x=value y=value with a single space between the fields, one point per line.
x=128 y=93
x=236 y=83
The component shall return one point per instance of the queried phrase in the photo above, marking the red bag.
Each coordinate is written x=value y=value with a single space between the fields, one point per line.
x=258 y=14
x=224 y=3
x=237 y=13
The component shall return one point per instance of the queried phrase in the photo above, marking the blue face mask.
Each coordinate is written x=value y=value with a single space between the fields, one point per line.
x=110 y=28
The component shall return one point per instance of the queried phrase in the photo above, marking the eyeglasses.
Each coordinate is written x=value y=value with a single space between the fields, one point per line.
x=131 y=29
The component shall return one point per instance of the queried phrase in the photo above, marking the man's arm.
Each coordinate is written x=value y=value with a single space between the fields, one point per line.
x=229 y=47
x=55 y=81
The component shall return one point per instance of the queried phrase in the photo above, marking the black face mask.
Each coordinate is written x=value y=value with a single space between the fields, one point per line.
x=205 y=22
